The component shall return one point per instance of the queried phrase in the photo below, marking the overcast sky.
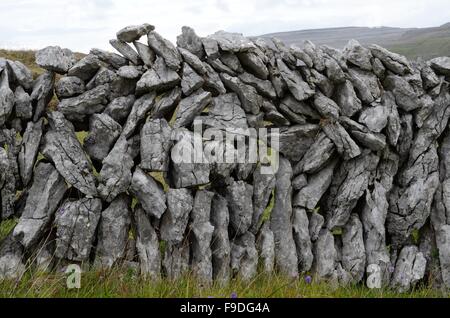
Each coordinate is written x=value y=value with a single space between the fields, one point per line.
x=83 y=24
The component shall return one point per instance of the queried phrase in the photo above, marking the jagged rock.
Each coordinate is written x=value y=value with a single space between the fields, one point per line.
x=310 y=195
x=63 y=148
x=11 y=259
x=366 y=84
x=314 y=78
x=231 y=61
x=220 y=67
x=42 y=200
x=158 y=78
x=334 y=72
x=378 y=68
x=134 y=32
x=7 y=185
x=126 y=50
x=176 y=260
x=149 y=193
x=345 y=145
x=55 y=59
x=193 y=61
x=155 y=145
x=239 y=196
x=190 y=81
x=233 y=42
x=404 y=94
x=115 y=176
x=358 y=55
x=42 y=93
x=301 y=55
x=253 y=63
x=85 y=68
x=129 y=72
x=301 y=108
x=190 y=41
x=88 y=103
x=21 y=74
x=302 y=239
x=349 y=183
x=76 y=224
x=317 y=156
x=69 y=86
x=211 y=48
x=113 y=59
x=316 y=54
x=29 y=149
x=120 y=107
x=441 y=65
x=225 y=112
x=201 y=232
x=394 y=62
x=250 y=100
x=325 y=255
x=244 y=256
x=167 y=103
x=145 y=53
x=147 y=245
x=326 y=107
x=190 y=107
x=393 y=124
x=295 y=140
x=429 y=77
x=410 y=269
x=220 y=245
x=175 y=220
x=140 y=108
x=263 y=186
x=103 y=133
x=280 y=221
x=185 y=171
x=296 y=85
x=113 y=231
x=353 y=251
x=213 y=81
x=164 y=48
x=6 y=98
x=299 y=182
x=22 y=104
x=316 y=222
x=265 y=245
x=264 y=87
x=375 y=118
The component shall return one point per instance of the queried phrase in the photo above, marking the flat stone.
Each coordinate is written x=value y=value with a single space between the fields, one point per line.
x=211 y=48
x=346 y=98
x=47 y=190
x=409 y=269
x=7 y=185
x=193 y=60
x=325 y=255
x=375 y=118
x=358 y=55
x=263 y=87
x=225 y=112
x=393 y=61
x=251 y=101
x=113 y=59
x=353 y=251
x=120 y=107
x=296 y=85
x=11 y=259
x=85 y=68
x=149 y=193
x=29 y=149
x=345 y=145
x=176 y=260
x=326 y=107
x=254 y=64
x=263 y=186
x=403 y=92
x=6 y=98
x=294 y=141
x=134 y=32
x=317 y=156
x=441 y=65
x=316 y=222
x=190 y=80
x=103 y=133
x=230 y=60
x=213 y=81
x=129 y=72
x=69 y=86
x=158 y=78
x=140 y=108
x=55 y=59
x=166 y=49
x=233 y=42
x=265 y=245
x=145 y=53
x=21 y=74
x=190 y=107
x=167 y=103
x=366 y=84
x=155 y=145
x=126 y=50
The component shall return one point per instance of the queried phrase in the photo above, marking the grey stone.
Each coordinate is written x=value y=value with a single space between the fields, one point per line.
x=55 y=59
x=211 y=48
x=378 y=68
x=316 y=54
x=145 y=53
x=350 y=181
x=316 y=222
x=129 y=72
x=12 y=265
x=21 y=74
x=302 y=239
x=29 y=149
x=149 y=193
x=69 y=86
x=147 y=245
x=301 y=108
x=167 y=103
x=254 y=64
x=42 y=93
x=301 y=55
x=296 y=85
x=295 y=141
x=404 y=94
x=366 y=84
x=280 y=222
x=393 y=62
x=265 y=245
x=175 y=220
x=299 y=182
x=113 y=59
x=263 y=87
x=164 y=48
x=6 y=98
x=353 y=251
x=103 y=133
x=225 y=112
x=441 y=65
x=201 y=231
x=158 y=78
x=263 y=186
x=239 y=196
x=176 y=260
x=231 y=61
x=251 y=101
x=126 y=50
x=393 y=124
x=220 y=67
x=429 y=77
x=22 y=104
x=134 y=32
x=120 y=107
x=345 y=145
x=375 y=118
x=155 y=145
x=85 y=68
x=140 y=108
x=190 y=41
x=193 y=60
x=325 y=255
x=409 y=269
x=334 y=72
x=358 y=55
x=326 y=106
x=63 y=148
x=88 y=103
x=244 y=257
x=190 y=107
x=213 y=81
x=317 y=156
x=233 y=42
x=113 y=232
x=221 y=248
x=115 y=175
x=190 y=80
x=7 y=185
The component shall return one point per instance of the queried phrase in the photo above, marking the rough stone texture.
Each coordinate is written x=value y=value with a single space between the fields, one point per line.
x=175 y=220
x=134 y=32
x=22 y=104
x=155 y=145
x=221 y=249
x=85 y=68
x=11 y=259
x=158 y=78
x=265 y=245
x=164 y=48
x=29 y=149
x=302 y=239
x=6 y=98
x=409 y=269
x=190 y=107
x=103 y=133
x=244 y=257
x=263 y=186
x=55 y=59
x=353 y=251
x=41 y=94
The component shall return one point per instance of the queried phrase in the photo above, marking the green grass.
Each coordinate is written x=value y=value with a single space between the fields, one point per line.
x=116 y=283
x=6 y=227
x=440 y=46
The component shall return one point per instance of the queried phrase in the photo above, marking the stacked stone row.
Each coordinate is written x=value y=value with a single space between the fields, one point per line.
x=360 y=194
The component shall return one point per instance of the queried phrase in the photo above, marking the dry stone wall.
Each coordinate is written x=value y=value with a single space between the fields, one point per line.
x=360 y=193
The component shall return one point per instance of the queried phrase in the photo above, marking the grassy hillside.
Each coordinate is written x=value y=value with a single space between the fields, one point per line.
x=26 y=57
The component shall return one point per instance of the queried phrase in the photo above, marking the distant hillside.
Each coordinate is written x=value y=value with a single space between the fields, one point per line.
x=412 y=42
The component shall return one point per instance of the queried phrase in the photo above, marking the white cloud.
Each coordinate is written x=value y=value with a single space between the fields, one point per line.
x=83 y=24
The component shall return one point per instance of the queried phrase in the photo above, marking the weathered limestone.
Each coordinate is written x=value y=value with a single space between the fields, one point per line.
x=155 y=145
